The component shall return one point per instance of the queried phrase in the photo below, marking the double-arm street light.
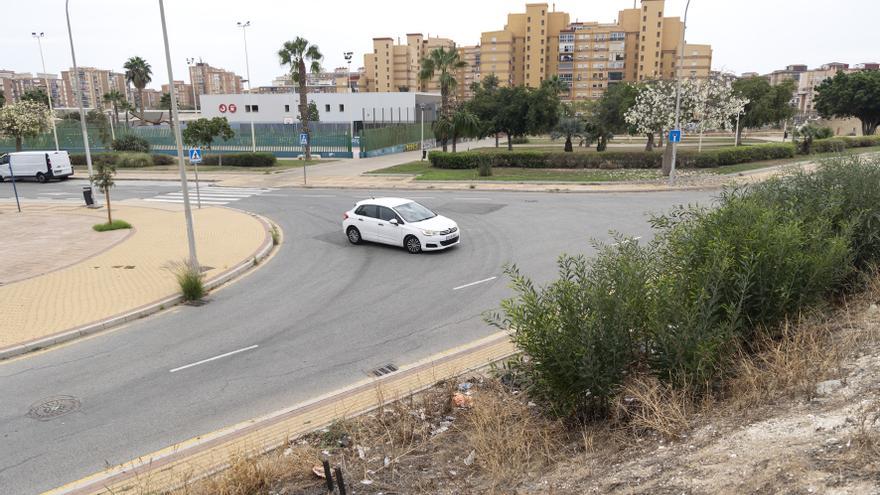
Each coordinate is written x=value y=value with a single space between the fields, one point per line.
x=679 y=67
x=77 y=91
x=247 y=64
x=39 y=38
x=348 y=56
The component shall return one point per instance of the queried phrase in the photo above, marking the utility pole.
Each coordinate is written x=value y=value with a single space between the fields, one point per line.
x=39 y=38
x=175 y=117
x=190 y=62
x=77 y=91
x=247 y=64
x=678 y=68
x=348 y=56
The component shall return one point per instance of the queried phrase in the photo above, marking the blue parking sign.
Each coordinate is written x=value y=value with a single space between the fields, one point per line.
x=675 y=136
x=303 y=139
x=195 y=155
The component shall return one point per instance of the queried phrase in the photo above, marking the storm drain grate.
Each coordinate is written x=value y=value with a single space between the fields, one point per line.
x=384 y=370
x=53 y=407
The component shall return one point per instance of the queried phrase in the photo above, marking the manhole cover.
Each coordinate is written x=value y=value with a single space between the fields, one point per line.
x=53 y=407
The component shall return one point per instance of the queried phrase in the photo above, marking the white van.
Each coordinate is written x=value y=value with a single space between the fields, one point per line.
x=38 y=165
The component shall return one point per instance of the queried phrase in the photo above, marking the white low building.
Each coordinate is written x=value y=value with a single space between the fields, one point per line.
x=353 y=108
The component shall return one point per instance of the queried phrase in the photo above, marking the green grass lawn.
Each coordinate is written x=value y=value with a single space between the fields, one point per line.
x=638 y=142
x=282 y=165
x=424 y=171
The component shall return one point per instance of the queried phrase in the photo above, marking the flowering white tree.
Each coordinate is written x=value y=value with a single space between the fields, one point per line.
x=716 y=105
x=654 y=110
x=24 y=119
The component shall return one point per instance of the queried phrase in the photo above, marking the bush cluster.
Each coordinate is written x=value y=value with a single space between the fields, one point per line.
x=243 y=160
x=712 y=282
x=123 y=160
x=130 y=142
x=838 y=144
x=609 y=159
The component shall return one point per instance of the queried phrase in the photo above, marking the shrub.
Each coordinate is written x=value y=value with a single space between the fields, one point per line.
x=133 y=160
x=485 y=168
x=833 y=145
x=160 y=159
x=243 y=160
x=116 y=225
x=712 y=282
x=519 y=140
x=131 y=142
x=190 y=280
x=123 y=160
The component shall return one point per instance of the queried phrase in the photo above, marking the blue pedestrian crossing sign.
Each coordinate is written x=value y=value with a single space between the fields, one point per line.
x=675 y=136
x=195 y=155
x=303 y=139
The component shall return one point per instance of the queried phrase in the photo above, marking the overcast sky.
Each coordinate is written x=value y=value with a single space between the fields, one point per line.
x=746 y=35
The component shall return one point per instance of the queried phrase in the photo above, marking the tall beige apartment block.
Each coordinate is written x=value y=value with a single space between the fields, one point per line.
x=395 y=67
x=94 y=83
x=213 y=81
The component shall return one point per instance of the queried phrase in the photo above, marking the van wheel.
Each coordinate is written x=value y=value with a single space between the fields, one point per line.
x=41 y=178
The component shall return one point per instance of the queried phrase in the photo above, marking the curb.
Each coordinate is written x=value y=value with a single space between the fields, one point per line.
x=560 y=190
x=145 y=179
x=141 y=312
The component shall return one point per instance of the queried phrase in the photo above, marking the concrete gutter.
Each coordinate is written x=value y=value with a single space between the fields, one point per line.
x=154 y=307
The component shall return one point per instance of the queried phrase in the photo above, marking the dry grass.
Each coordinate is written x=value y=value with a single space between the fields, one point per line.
x=509 y=438
x=646 y=404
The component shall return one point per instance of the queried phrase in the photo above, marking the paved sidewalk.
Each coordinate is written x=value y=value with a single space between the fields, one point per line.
x=134 y=273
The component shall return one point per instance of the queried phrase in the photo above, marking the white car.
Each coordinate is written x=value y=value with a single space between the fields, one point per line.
x=400 y=222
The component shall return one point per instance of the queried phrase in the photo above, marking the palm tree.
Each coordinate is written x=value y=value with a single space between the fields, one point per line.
x=569 y=127
x=139 y=73
x=126 y=107
x=103 y=178
x=296 y=54
x=445 y=63
x=114 y=98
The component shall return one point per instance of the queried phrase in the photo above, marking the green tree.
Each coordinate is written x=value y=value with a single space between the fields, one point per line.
x=766 y=104
x=613 y=105
x=165 y=101
x=544 y=109
x=569 y=126
x=203 y=132
x=852 y=95
x=445 y=63
x=512 y=112
x=103 y=179
x=100 y=125
x=114 y=98
x=139 y=73
x=24 y=119
x=485 y=104
x=36 y=95
x=2 y=99
x=314 y=114
x=462 y=124
x=297 y=54
x=555 y=85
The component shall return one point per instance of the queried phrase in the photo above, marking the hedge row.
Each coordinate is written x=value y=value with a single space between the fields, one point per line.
x=124 y=160
x=714 y=282
x=838 y=144
x=242 y=160
x=609 y=159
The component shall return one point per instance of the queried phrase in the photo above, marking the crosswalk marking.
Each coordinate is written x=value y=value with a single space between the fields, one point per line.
x=212 y=195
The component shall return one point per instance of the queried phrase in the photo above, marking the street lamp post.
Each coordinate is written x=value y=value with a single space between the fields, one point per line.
x=244 y=26
x=77 y=91
x=175 y=117
x=348 y=56
x=190 y=62
x=39 y=38
x=678 y=92
x=422 y=111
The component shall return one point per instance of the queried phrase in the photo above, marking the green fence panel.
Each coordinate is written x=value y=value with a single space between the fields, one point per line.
x=388 y=135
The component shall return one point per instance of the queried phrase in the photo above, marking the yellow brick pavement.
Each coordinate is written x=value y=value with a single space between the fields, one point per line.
x=130 y=275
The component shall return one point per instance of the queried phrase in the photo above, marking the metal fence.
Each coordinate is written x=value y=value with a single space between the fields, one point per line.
x=376 y=137
x=327 y=139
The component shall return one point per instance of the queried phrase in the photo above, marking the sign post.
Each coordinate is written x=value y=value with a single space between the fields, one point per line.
x=195 y=157
x=15 y=189
x=304 y=140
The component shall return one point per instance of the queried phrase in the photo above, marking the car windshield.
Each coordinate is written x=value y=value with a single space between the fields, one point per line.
x=413 y=212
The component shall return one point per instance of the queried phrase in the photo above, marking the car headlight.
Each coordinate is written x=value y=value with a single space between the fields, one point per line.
x=429 y=232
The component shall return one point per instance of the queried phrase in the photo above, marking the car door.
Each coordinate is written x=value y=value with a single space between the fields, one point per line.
x=388 y=232
x=367 y=220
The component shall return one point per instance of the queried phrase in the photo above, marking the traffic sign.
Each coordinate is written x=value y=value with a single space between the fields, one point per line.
x=195 y=155
x=675 y=136
x=303 y=139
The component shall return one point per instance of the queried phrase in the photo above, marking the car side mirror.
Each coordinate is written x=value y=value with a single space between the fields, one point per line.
x=394 y=222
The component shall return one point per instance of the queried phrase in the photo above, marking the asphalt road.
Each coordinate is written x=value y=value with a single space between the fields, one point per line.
x=321 y=314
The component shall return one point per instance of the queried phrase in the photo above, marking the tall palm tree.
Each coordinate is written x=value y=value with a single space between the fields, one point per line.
x=139 y=73
x=445 y=63
x=114 y=98
x=461 y=124
x=297 y=54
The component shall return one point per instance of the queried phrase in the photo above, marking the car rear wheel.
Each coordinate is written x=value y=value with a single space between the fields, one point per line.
x=412 y=244
x=41 y=178
x=354 y=235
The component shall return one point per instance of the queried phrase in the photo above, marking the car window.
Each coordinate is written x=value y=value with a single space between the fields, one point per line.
x=387 y=214
x=371 y=211
x=414 y=212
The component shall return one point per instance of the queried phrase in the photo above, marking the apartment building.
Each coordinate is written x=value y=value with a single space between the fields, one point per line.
x=184 y=94
x=394 y=67
x=807 y=80
x=323 y=82
x=469 y=75
x=213 y=81
x=14 y=85
x=94 y=84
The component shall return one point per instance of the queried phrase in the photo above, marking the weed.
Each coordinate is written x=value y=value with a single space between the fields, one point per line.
x=276 y=235
x=115 y=225
x=190 y=279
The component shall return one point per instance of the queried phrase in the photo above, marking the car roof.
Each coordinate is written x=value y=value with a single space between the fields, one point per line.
x=389 y=202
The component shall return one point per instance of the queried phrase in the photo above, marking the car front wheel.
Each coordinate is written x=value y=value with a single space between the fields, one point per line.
x=354 y=235
x=412 y=244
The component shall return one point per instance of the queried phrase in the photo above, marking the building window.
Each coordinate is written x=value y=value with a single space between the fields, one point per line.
x=286 y=108
x=327 y=108
x=247 y=108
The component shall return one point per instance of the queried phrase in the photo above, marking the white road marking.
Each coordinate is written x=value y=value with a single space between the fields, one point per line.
x=212 y=195
x=421 y=197
x=318 y=196
x=221 y=356
x=627 y=241
x=471 y=199
x=180 y=201
x=475 y=283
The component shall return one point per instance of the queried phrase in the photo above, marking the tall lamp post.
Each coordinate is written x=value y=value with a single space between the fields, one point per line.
x=39 y=38
x=190 y=62
x=77 y=91
x=175 y=117
x=247 y=64
x=678 y=70
x=348 y=56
